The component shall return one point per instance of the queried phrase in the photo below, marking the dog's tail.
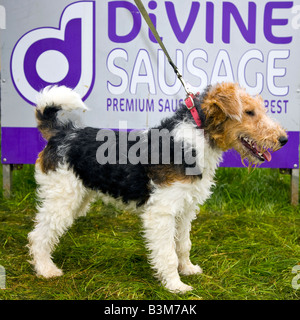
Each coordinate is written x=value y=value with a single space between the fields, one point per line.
x=49 y=102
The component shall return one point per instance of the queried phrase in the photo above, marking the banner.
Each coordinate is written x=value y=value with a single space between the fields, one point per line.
x=106 y=52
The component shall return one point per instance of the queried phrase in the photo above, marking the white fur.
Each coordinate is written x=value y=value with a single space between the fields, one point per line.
x=166 y=216
x=62 y=96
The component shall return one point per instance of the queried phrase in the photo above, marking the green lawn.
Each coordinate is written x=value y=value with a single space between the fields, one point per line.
x=246 y=238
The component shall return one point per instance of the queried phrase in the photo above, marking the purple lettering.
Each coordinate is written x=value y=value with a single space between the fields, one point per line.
x=115 y=104
x=229 y=9
x=182 y=35
x=108 y=103
x=269 y=22
x=112 y=21
x=210 y=22
x=152 y=5
x=279 y=108
x=273 y=106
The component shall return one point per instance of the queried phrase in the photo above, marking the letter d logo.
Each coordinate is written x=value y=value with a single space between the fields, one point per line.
x=63 y=56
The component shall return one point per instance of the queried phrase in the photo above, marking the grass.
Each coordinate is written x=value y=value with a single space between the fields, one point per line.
x=246 y=238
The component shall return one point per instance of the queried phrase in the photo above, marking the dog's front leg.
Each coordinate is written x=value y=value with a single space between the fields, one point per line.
x=183 y=242
x=160 y=238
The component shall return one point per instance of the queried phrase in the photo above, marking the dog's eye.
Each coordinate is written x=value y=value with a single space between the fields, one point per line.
x=250 y=113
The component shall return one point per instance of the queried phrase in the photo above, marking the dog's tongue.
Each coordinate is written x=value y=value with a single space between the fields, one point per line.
x=267 y=155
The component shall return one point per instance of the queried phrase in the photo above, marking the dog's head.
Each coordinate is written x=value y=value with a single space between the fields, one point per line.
x=235 y=119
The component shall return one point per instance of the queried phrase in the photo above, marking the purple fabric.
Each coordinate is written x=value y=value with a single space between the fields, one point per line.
x=22 y=145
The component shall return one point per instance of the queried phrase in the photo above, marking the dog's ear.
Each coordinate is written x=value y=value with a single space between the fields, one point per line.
x=226 y=96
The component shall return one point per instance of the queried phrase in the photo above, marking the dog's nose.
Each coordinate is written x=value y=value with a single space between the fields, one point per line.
x=283 y=140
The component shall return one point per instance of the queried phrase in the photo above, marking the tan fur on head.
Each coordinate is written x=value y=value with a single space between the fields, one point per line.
x=226 y=97
x=233 y=115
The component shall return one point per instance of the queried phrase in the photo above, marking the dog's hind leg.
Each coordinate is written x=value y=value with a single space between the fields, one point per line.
x=84 y=207
x=62 y=195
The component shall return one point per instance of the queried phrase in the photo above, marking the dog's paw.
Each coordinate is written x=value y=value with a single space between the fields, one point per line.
x=178 y=287
x=189 y=269
x=50 y=271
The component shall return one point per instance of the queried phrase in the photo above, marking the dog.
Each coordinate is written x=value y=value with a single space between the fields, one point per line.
x=70 y=171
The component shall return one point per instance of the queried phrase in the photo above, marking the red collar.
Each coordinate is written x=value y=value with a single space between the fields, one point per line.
x=189 y=102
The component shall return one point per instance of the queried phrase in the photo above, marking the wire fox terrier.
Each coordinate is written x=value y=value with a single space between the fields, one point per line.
x=71 y=172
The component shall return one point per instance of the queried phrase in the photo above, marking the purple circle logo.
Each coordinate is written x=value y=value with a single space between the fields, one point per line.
x=62 y=56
